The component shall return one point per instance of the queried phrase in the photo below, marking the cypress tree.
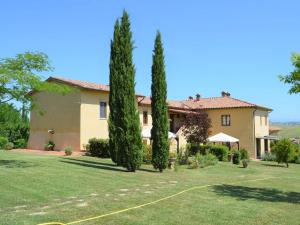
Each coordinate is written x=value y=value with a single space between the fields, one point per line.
x=114 y=86
x=160 y=126
x=130 y=140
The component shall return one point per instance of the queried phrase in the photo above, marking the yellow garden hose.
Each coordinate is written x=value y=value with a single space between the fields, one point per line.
x=149 y=203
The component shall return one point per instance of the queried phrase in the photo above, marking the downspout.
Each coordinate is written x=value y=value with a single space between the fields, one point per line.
x=254 y=138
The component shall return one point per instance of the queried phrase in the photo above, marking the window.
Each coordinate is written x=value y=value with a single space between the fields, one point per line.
x=266 y=120
x=102 y=110
x=145 y=117
x=225 y=120
x=260 y=120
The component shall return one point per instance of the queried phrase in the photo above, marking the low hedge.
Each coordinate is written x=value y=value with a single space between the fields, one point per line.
x=147 y=153
x=220 y=151
x=99 y=148
x=236 y=157
x=3 y=142
x=244 y=154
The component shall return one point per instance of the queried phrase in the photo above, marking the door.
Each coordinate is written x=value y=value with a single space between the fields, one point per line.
x=266 y=145
x=258 y=148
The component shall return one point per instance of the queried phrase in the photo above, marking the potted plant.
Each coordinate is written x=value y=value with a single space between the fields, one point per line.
x=245 y=163
x=68 y=150
x=172 y=160
x=50 y=146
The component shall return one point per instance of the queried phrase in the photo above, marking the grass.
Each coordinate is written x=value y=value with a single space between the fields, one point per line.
x=288 y=130
x=36 y=189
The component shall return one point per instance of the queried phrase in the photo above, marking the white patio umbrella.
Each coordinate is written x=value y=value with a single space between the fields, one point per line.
x=221 y=137
x=146 y=133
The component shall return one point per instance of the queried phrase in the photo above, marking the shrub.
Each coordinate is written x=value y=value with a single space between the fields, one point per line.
x=194 y=164
x=172 y=155
x=203 y=161
x=86 y=147
x=285 y=151
x=49 y=146
x=182 y=157
x=20 y=143
x=297 y=158
x=236 y=157
x=147 y=153
x=3 y=142
x=207 y=160
x=268 y=156
x=245 y=162
x=99 y=148
x=244 y=154
x=220 y=151
x=9 y=146
x=68 y=150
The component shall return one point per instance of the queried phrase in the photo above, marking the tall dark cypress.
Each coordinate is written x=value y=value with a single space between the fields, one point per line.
x=114 y=84
x=160 y=126
x=130 y=148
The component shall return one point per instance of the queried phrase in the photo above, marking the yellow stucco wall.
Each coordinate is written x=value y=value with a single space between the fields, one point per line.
x=91 y=125
x=62 y=114
x=261 y=128
x=75 y=119
x=241 y=126
x=148 y=110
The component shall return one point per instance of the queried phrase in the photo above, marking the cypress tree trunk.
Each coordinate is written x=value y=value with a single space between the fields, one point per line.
x=114 y=86
x=130 y=140
x=160 y=126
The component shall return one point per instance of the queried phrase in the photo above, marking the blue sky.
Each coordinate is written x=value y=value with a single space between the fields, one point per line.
x=210 y=46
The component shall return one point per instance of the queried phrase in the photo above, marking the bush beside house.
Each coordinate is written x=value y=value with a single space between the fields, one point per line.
x=98 y=148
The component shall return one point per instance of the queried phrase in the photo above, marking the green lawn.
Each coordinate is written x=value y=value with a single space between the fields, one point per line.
x=36 y=189
x=289 y=131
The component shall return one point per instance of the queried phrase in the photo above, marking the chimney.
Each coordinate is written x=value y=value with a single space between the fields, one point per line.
x=225 y=94
x=198 y=97
x=190 y=98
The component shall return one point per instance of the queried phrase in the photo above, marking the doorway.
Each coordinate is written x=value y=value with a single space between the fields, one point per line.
x=258 y=148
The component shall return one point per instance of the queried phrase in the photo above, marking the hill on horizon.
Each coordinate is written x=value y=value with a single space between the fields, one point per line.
x=289 y=129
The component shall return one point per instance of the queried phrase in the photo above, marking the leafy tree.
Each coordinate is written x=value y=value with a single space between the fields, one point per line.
x=196 y=127
x=130 y=153
x=294 y=77
x=284 y=151
x=114 y=86
x=160 y=126
x=19 y=76
x=12 y=125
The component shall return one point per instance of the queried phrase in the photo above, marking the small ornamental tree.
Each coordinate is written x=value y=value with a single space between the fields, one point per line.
x=196 y=127
x=130 y=152
x=294 y=77
x=160 y=126
x=114 y=86
x=284 y=151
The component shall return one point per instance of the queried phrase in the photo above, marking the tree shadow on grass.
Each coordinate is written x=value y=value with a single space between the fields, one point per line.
x=93 y=165
x=260 y=194
x=274 y=165
x=99 y=165
x=16 y=164
x=91 y=162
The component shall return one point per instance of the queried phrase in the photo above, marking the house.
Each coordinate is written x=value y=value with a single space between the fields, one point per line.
x=73 y=119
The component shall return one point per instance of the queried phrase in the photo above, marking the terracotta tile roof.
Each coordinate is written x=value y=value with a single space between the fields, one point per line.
x=202 y=103
x=82 y=84
x=207 y=103
x=274 y=128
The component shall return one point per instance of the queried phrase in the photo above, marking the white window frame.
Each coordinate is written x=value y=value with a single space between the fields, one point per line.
x=226 y=120
x=102 y=118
